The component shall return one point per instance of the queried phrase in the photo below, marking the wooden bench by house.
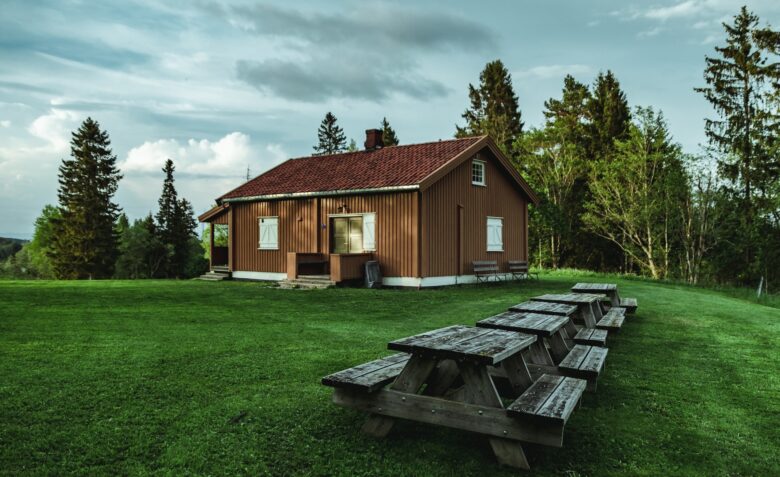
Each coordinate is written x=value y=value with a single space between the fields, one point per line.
x=613 y=320
x=485 y=269
x=519 y=269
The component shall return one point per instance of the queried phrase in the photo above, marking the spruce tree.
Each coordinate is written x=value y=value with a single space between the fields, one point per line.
x=494 y=109
x=610 y=116
x=85 y=244
x=741 y=81
x=175 y=224
x=388 y=134
x=331 y=137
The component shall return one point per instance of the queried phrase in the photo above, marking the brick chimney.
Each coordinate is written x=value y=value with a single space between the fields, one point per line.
x=373 y=139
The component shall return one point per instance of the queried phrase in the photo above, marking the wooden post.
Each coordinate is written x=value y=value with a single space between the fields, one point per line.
x=211 y=246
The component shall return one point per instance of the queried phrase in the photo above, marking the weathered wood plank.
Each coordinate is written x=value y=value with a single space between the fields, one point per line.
x=551 y=398
x=584 y=362
x=612 y=321
x=630 y=304
x=534 y=323
x=369 y=376
x=491 y=421
x=517 y=373
x=545 y=308
x=591 y=336
x=558 y=347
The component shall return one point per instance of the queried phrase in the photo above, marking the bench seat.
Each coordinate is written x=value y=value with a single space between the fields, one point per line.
x=584 y=362
x=551 y=399
x=484 y=269
x=591 y=336
x=370 y=376
x=629 y=304
x=613 y=320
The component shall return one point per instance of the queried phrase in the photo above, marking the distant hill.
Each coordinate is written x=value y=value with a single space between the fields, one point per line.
x=9 y=246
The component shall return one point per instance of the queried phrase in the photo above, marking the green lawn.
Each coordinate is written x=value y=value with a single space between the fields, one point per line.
x=167 y=377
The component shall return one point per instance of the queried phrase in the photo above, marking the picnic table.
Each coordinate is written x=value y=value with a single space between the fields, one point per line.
x=588 y=304
x=580 y=361
x=586 y=336
x=610 y=290
x=443 y=377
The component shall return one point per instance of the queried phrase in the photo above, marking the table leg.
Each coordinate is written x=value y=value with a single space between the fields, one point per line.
x=571 y=330
x=538 y=353
x=586 y=312
x=480 y=390
x=615 y=298
x=596 y=307
x=441 y=380
x=558 y=347
x=517 y=373
x=412 y=377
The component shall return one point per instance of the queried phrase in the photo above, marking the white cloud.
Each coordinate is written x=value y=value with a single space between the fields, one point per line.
x=650 y=33
x=227 y=157
x=684 y=9
x=553 y=71
x=55 y=128
x=5 y=123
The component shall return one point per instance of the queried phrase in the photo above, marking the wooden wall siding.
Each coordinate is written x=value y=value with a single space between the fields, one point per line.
x=220 y=219
x=396 y=230
x=440 y=220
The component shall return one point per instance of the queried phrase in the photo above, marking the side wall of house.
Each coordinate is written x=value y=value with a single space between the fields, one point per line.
x=453 y=238
x=300 y=224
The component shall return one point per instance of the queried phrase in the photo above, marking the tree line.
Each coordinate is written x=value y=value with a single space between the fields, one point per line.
x=618 y=194
x=86 y=235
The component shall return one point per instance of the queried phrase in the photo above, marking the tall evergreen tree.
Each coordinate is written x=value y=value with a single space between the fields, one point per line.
x=388 y=134
x=610 y=116
x=331 y=137
x=741 y=82
x=494 y=108
x=85 y=243
x=175 y=224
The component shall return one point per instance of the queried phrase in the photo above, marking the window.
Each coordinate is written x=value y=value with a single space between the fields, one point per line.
x=478 y=172
x=269 y=233
x=495 y=234
x=353 y=233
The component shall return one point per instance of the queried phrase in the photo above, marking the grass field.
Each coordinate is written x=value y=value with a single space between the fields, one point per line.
x=180 y=377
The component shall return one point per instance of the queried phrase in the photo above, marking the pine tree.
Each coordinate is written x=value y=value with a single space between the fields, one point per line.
x=610 y=116
x=331 y=137
x=741 y=81
x=175 y=224
x=494 y=109
x=388 y=134
x=85 y=244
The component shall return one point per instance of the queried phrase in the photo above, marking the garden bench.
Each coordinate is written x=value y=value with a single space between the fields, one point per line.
x=591 y=336
x=613 y=320
x=484 y=269
x=611 y=291
x=519 y=269
x=446 y=381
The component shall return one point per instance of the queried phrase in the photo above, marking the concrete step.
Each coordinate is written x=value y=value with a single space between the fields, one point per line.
x=306 y=283
x=214 y=276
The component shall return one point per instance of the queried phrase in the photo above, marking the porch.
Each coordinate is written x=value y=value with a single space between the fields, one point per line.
x=320 y=270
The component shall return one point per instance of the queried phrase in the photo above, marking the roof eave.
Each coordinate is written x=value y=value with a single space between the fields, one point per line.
x=327 y=193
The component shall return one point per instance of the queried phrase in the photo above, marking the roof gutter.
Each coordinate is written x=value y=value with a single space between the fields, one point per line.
x=327 y=193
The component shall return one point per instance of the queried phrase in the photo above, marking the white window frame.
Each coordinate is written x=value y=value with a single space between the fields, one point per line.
x=482 y=164
x=371 y=247
x=260 y=245
x=494 y=247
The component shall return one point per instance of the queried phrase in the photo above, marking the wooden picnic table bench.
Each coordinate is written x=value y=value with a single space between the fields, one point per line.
x=445 y=381
x=519 y=269
x=588 y=305
x=609 y=289
x=579 y=361
x=485 y=269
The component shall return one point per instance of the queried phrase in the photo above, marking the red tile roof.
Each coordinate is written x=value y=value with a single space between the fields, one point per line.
x=387 y=167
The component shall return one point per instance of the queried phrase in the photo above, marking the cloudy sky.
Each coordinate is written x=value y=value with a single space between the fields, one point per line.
x=222 y=86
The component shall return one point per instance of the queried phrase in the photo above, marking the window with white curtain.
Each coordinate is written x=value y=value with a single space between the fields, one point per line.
x=269 y=233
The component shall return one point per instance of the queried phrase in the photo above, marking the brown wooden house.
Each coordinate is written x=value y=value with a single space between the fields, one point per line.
x=423 y=211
